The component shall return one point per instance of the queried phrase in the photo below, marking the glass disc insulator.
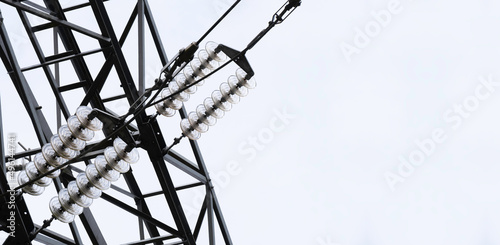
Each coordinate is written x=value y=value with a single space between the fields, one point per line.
x=96 y=179
x=220 y=102
x=69 y=140
x=241 y=75
x=238 y=89
x=33 y=173
x=58 y=211
x=196 y=123
x=204 y=116
x=114 y=161
x=228 y=94
x=198 y=68
x=130 y=157
x=187 y=130
x=104 y=170
x=86 y=187
x=192 y=76
x=211 y=109
x=182 y=96
x=77 y=196
x=163 y=110
x=171 y=102
x=207 y=61
x=51 y=157
x=217 y=56
x=43 y=167
x=182 y=82
x=79 y=130
x=68 y=204
x=32 y=189
x=82 y=113
x=61 y=149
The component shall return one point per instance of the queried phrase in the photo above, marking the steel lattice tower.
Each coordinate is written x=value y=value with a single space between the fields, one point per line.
x=147 y=130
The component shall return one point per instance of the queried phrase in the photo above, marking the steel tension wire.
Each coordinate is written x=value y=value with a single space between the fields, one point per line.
x=218 y=21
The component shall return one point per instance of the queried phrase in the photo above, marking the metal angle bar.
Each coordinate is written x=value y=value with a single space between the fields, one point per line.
x=201 y=216
x=72 y=86
x=90 y=224
x=57 y=60
x=141 y=53
x=155 y=34
x=127 y=193
x=47 y=240
x=141 y=222
x=151 y=240
x=183 y=187
x=58 y=55
x=141 y=229
x=210 y=211
x=184 y=160
x=58 y=75
x=220 y=219
x=180 y=165
x=145 y=217
x=175 y=243
x=49 y=17
x=39 y=7
x=113 y=98
x=43 y=27
x=55 y=236
x=78 y=6
x=179 y=188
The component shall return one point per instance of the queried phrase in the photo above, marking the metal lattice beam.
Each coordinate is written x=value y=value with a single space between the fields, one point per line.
x=147 y=131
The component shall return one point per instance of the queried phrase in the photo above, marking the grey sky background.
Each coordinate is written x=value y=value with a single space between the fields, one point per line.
x=313 y=154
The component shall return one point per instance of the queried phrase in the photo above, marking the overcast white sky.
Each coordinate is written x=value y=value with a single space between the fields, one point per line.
x=346 y=90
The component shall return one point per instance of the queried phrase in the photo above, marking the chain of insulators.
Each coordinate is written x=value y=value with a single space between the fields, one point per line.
x=214 y=107
x=65 y=145
x=89 y=185
x=208 y=59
